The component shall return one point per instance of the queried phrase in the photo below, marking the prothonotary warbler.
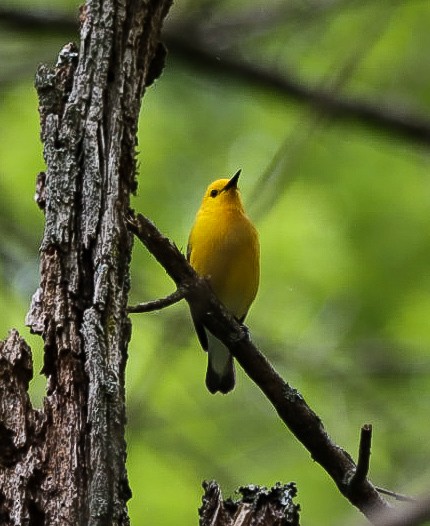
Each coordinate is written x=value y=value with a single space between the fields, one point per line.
x=223 y=246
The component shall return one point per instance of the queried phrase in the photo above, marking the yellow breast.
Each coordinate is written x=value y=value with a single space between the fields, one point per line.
x=224 y=247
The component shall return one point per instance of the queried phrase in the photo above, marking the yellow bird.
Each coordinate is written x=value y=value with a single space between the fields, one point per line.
x=223 y=246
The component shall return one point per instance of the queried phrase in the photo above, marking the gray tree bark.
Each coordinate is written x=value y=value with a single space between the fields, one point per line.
x=65 y=464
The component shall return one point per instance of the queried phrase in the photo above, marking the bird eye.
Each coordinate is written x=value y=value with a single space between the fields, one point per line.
x=214 y=193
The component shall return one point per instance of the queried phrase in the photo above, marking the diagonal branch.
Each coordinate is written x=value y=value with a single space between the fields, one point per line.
x=288 y=402
x=185 y=43
x=381 y=116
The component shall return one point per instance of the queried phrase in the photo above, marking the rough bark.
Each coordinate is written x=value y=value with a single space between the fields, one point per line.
x=258 y=506
x=65 y=464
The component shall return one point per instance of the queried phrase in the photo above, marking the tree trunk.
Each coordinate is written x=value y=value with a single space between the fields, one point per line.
x=65 y=464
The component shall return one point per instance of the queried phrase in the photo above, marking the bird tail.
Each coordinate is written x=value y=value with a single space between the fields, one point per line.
x=220 y=374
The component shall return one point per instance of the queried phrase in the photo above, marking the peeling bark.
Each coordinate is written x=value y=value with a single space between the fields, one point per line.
x=258 y=506
x=66 y=464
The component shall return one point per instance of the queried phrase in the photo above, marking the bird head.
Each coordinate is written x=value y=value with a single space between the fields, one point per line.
x=223 y=193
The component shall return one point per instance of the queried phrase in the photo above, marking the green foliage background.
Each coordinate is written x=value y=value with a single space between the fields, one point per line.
x=344 y=305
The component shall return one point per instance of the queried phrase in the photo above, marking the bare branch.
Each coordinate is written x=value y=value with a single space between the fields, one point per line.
x=363 y=456
x=381 y=116
x=288 y=402
x=158 y=304
x=184 y=43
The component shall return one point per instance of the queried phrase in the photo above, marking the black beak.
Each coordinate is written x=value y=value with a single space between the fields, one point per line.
x=233 y=182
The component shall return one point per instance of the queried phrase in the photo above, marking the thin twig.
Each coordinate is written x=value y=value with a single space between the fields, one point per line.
x=397 y=496
x=158 y=304
x=363 y=456
x=281 y=170
x=363 y=464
